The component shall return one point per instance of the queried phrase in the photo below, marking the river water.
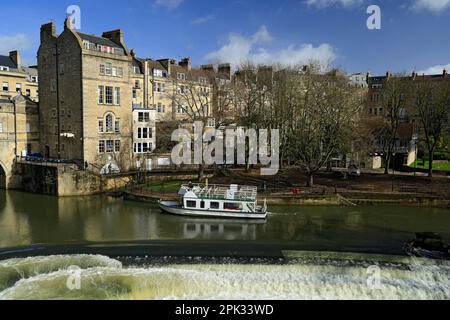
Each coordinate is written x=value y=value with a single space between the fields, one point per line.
x=325 y=258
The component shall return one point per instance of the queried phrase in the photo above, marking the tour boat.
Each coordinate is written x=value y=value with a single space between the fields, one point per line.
x=232 y=201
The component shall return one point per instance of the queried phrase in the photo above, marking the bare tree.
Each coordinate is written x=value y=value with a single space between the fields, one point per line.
x=192 y=101
x=431 y=103
x=393 y=101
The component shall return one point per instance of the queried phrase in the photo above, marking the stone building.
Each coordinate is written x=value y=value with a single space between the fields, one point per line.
x=17 y=79
x=86 y=98
x=19 y=135
x=166 y=85
x=407 y=142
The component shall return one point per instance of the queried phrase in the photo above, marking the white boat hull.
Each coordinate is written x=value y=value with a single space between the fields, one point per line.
x=174 y=207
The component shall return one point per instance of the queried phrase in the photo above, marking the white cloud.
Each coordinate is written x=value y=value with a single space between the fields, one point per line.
x=16 y=42
x=169 y=4
x=203 y=20
x=240 y=49
x=329 y=3
x=431 y=5
x=435 y=70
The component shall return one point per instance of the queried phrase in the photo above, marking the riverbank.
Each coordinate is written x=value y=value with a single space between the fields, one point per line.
x=345 y=199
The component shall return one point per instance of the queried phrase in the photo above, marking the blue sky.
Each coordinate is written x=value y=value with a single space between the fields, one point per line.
x=414 y=33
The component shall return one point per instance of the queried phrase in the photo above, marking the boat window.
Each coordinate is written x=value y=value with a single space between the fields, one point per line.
x=191 y=204
x=232 y=206
x=202 y=204
x=215 y=205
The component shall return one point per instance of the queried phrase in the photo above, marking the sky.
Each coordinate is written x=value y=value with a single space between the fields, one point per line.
x=414 y=34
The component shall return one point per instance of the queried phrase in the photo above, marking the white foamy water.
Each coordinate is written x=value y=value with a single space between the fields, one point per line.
x=309 y=277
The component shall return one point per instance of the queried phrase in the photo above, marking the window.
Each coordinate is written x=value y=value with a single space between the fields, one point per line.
x=120 y=72
x=117 y=146
x=232 y=206
x=53 y=85
x=117 y=127
x=139 y=133
x=191 y=204
x=202 y=80
x=101 y=94
x=134 y=93
x=117 y=96
x=137 y=84
x=181 y=76
x=144 y=133
x=3 y=68
x=108 y=69
x=214 y=205
x=145 y=147
x=1 y=126
x=109 y=123
x=5 y=86
x=109 y=95
x=101 y=146
x=150 y=133
x=159 y=73
x=136 y=70
x=114 y=71
x=28 y=91
x=182 y=89
x=61 y=68
x=100 y=126
x=159 y=107
x=69 y=113
x=109 y=146
x=202 y=204
x=102 y=69
x=160 y=87
x=18 y=87
x=143 y=117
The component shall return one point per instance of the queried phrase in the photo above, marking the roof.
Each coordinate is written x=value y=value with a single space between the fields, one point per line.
x=98 y=40
x=6 y=61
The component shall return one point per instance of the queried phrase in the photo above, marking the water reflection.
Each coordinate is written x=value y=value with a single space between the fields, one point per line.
x=30 y=218
x=220 y=229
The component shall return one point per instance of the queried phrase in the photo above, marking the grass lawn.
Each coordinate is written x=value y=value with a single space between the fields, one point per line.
x=168 y=186
x=443 y=166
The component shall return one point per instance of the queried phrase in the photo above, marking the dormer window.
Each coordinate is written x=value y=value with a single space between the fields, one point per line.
x=137 y=70
x=3 y=68
x=159 y=73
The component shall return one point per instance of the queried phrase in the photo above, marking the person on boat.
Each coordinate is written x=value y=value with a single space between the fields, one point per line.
x=190 y=185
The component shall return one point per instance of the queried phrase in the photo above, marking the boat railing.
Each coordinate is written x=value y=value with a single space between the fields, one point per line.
x=223 y=192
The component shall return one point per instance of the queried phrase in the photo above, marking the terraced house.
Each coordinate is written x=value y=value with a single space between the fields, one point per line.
x=87 y=107
x=16 y=79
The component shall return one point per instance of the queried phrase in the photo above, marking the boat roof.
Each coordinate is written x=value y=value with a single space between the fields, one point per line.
x=224 y=192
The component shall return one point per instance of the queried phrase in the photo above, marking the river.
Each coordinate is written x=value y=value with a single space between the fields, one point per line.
x=330 y=256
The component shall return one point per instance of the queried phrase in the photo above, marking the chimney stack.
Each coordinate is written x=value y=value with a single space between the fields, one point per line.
x=186 y=63
x=225 y=69
x=133 y=53
x=445 y=72
x=115 y=36
x=48 y=31
x=15 y=57
x=207 y=67
x=68 y=24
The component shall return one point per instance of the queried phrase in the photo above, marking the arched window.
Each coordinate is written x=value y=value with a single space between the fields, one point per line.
x=109 y=120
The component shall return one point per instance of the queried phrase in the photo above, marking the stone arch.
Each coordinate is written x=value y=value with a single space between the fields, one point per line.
x=3 y=176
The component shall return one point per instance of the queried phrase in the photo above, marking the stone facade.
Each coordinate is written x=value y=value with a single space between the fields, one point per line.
x=86 y=98
x=16 y=79
x=19 y=135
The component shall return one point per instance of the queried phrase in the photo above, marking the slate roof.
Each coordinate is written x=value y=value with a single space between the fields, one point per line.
x=6 y=61
x=98 y=40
